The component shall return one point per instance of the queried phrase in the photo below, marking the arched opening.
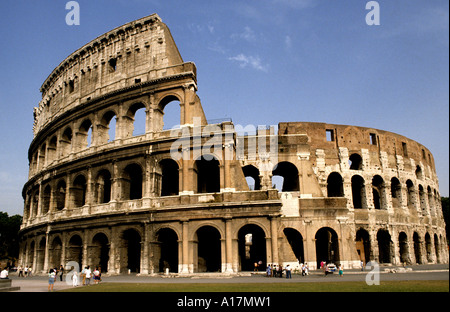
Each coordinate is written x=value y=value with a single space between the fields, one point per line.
x=410 y=194
x=84 y=135
x=327 y=246
x=378 y=192
x=42 y=156
x=132 y=182
x=74 y=251
x=251 y=247
x=168 y=250
x=134 y=122
x=169 y=177
x=131 y=251
x=66 y=142
x=251 y=174
x=55 y=252
x=208 y=174
x=385 y=246
x=79 y=188
x=40 y=255
x=417 y=248
x=423 y=200
x=100 y=252
x=335 y=186
x=437 y=249
x=429 y=248
x=106 y=130
x=208 y=249
x=295 y=240
x=46 y=199
x=103 y=187
x=403 y=246
x=35 y=203
x=363 y=245
x=51 y=150
x=431 y=201
x=289 y=173
x=358 y=192
x=396 y=193
x=170 y=113
x=355 y=162
x=61 y=195
x=419 y=174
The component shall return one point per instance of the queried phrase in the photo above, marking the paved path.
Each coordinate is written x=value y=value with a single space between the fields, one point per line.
x=420 y=272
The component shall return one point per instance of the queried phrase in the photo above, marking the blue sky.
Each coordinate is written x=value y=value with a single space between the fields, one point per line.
x=258 y=62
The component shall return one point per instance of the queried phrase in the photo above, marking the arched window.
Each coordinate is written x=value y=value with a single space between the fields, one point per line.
x=396 y=192
x=134 y=122
x=169 y=177
x=66 y=142
x=51 y=150
x=411 y=194
x=79 y=188
x=46 y=199
x=355 y=162
x=251 y=174
x=106 y=130
x=327 y=246
x=103 y=187
x=289 y=173
x=208 y=174
x=358 y=192
x=171 y=113
x=132 y=182
x=84 y=135
x=335 y=187
x=378 y=192
x=61 y=195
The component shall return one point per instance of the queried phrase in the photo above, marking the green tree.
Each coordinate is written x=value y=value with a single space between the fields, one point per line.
x=9 y=236
x=446 y=213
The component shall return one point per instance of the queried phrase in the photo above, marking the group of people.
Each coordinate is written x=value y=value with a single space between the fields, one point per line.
x=277 y=271
x=84 y=276
x=327 y=270
x=26 y=271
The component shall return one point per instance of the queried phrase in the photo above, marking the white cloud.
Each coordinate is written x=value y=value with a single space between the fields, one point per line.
x=295 y=4
x=248 y=60
x=248 y=34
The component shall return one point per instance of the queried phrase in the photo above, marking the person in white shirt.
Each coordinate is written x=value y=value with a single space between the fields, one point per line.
x=4 y=274
x=88 y=275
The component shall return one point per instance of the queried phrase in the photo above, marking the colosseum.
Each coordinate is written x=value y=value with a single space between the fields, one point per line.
x=209 y=196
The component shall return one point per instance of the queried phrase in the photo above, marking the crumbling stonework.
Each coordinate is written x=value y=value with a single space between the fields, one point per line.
x=100 y=195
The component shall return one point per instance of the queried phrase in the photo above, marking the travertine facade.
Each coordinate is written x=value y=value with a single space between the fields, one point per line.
x=100 y=195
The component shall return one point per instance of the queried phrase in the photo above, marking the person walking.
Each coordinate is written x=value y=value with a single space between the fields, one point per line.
x=20 y=271
x=88 y=275
x=341 y=271
x=288 y=271
x=51 y=279
x=61 y=272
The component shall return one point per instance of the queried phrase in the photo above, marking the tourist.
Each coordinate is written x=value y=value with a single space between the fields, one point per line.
x=4 y=274
x=269 y=270
x=75 y=278
x=20 y=269
x=26 y=271
x=96 y=276
x=51 y=279
x=288 y=271
x=88 y=275
x=61 y=272
x=341 y=271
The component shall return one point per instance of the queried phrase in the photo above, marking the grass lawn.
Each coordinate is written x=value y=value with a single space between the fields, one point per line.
x=387 y=286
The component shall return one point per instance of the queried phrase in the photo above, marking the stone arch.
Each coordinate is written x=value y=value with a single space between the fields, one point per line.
x=103 y=186
x=46 y=196
x=168 y=115
x=379 y=192
x=358 y=192
x=60 y=194
x=295 y=240
x=84 y=135
x=385 y=246
x=355 y=162
x=207 y=174
x=252 y=176
x=132 y=182
x=51 y=149
x=100 y=250
x=437 y=248
x=363 y=246
x=429 y=247
x=403 y=248
x=207 y=249
x=411 y=192
x=74 y=249
x=335 y=186
x=170 y=180
x=396 y=193
x=327 y=246
x=290 y=174
x=166 y=251
x=251 y=246
x=106 y=129
x=78 y=191
x=417 y=248
x=135 y=125
x=65 y=141
x=55 y=251
x=130 y=251
x=422 y=199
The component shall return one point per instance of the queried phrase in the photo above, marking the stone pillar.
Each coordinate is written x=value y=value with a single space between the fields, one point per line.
x=185 y=263
x=228 y=245
x=274 y=235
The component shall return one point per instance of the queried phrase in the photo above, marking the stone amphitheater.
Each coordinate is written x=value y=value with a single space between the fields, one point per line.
x=209 y=197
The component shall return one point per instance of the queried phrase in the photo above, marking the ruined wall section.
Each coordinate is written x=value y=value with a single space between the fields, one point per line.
x=136 y=52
